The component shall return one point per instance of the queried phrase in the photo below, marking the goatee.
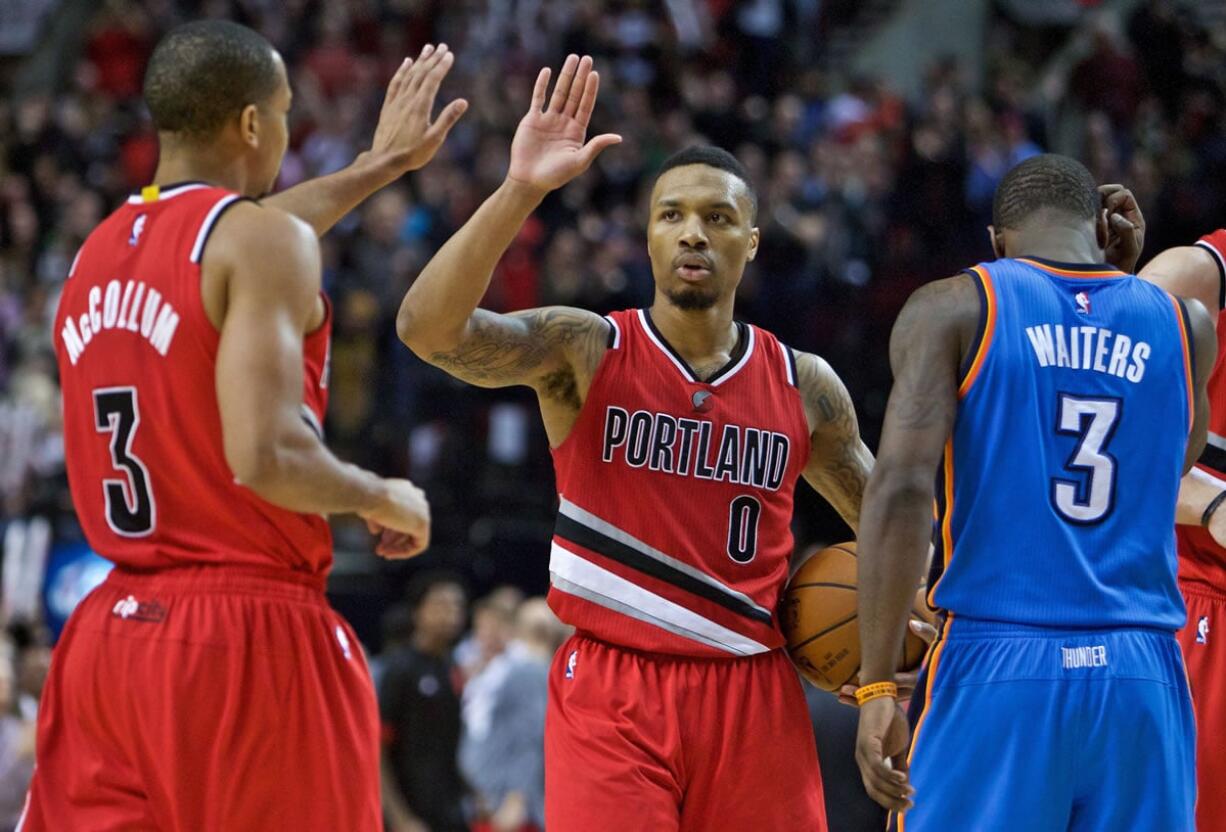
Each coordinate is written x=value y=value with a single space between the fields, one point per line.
x=692 y=298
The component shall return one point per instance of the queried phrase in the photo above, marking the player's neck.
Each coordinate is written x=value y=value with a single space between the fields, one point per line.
x=697 y=334
x=1063 y=245
x=184 y=164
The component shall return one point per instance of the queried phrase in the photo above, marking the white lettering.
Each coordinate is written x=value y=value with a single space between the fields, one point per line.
x=1140 y=353
x=1119 y=356
x=1100 y=350
x=87 y=333
x=1040 y=339
x=164 y=329
x=1078 y=657
x=95 y=300
x=1087 y=339
x=123 y=306
x=72 y=341
x=150 y=313
x=1062 y=359
x=110 y=305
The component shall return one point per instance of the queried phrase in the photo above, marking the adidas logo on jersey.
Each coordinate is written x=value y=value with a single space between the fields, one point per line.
x=1202 y=630
x=130 y=608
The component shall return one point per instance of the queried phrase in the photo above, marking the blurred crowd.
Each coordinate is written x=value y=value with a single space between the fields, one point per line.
x=864 y=195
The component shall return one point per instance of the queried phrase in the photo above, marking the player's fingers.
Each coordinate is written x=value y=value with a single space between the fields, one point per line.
x=373 y=527
x=424 y=65
x=561 y=90
x=578 y=87
x=397 y=83
x=540 y=88
x=1121 y=224
x=923 y=629
x=588 y=102
x=425 y=94
x=594 y=147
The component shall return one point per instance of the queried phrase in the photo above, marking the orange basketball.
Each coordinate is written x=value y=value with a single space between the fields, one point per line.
x=819 y=620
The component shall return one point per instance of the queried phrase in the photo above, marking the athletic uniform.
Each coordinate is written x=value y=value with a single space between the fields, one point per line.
x=206 y=684
x=674 y=706
x=1202 y=580
x=1055 y=697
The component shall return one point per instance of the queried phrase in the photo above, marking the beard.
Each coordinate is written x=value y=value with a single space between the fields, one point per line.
x=692 y=298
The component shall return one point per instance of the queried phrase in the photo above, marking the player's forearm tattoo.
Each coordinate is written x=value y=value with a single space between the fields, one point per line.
x=524 y=348
x=839 y=463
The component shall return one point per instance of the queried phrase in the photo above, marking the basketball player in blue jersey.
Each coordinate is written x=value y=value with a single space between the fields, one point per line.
x=1060 y=401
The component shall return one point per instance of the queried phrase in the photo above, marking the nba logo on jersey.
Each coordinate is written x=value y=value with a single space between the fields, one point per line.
x=137 y=227
x=1083 y=302
x=571 y=661
x=1202 y=630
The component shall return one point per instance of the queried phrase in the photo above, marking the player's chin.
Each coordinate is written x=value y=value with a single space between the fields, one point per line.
x=692 y=298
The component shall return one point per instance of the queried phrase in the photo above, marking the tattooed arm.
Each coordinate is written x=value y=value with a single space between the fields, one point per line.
x=839 y=461
x=932 y=333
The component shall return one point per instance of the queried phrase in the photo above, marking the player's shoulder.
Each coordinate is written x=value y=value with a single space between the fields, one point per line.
x=251 y=234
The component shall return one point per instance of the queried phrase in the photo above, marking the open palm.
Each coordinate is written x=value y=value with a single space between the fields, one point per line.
x=548 y=149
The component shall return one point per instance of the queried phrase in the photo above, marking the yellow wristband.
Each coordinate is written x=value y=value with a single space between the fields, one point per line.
x=876 y=691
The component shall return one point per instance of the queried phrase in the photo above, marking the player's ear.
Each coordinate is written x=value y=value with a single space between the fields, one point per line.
x=754 y=236
x=998 y=244
x=249 y=125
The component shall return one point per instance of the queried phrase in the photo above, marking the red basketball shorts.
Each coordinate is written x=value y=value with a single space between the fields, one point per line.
x=206 y=699
x=647 y=741
x=1203 y=640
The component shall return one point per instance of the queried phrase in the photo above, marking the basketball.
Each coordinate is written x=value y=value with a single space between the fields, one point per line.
x=819 y=620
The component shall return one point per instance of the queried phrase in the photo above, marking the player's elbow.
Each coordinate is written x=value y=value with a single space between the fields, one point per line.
x=257 y=462
x=424 y=337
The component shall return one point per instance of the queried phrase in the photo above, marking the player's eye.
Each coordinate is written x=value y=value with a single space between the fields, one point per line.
x=716 y=217
x=669 y=215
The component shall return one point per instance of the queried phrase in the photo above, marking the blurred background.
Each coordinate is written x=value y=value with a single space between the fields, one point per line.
x=875 y=132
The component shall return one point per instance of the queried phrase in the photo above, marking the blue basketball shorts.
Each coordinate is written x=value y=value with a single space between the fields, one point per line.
x=1048 y=730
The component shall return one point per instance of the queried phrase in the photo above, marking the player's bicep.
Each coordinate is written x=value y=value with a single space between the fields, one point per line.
x=839 y=461
x=536 y=347
x=1188 y=272
x=270 y=295
x=925 y=356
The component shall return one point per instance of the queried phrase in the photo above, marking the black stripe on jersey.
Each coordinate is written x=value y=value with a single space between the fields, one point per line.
x=1187 y=335
x=980 y=328
x=792 y=363
x=1215 y=458
x=738 y=352
x=216 y=218
x=589 y=538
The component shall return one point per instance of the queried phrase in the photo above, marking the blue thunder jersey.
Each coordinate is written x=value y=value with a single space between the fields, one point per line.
x=1056 y=495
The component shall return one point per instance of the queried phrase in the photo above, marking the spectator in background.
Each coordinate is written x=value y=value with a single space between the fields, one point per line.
x=16 y=742
x=502 y=752
x=419 y=702
x=493 y=626
x=397 y=629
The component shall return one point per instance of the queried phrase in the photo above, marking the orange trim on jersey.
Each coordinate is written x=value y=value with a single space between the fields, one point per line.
x=989 y=329
x=932 y=660
x=1184 y=336
x=1096 y=274
x=946 y=520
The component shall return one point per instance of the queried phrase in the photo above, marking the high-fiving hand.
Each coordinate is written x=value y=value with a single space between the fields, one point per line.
x=405 y=138
x=548 y=149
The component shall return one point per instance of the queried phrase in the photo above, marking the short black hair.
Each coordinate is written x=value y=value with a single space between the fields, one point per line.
x=715 y=157
x=423 y=583
x=1045 y=181
x=205 y=72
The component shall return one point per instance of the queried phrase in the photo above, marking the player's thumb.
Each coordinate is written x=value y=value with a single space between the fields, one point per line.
x=596 y=145
x=447 y=119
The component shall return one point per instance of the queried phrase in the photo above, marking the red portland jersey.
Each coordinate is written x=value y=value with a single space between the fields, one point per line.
x=142 y=430
x=674 y=529
x=1200 y=558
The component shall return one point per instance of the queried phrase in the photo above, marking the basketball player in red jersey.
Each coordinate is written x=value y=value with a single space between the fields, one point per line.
x=678 y=437
x=207 y=684
x=1199 y=271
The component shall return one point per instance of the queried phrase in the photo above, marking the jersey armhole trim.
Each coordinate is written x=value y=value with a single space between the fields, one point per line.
x=789 y=361
x=615 y=333
x=1220 y=262
x=210 y=222
x=1189 y=356
x=972 y=364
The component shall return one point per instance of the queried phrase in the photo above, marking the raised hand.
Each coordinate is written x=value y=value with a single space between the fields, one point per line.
x=1126 y=223
x=405 y=138
x=548 y=149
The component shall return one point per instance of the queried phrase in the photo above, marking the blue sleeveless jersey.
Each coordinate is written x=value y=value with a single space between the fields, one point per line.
x=1056 y=495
